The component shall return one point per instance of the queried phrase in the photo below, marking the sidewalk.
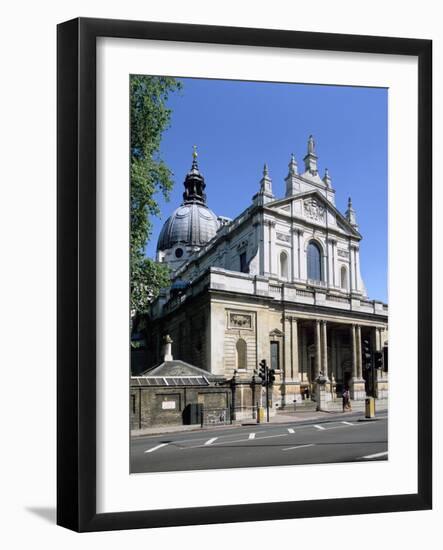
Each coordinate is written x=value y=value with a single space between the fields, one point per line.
x=278 y=418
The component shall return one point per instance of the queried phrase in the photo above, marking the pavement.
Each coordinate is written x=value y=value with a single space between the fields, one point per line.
x=327 y=438
x=279 y=418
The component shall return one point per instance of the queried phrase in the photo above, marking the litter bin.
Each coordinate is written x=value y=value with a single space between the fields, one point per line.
x=369 y=407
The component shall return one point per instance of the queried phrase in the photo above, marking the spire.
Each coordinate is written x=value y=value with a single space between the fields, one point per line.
x=293 y=169
x=194 y=183
x=266 y=182
x=350 y=214
x=265 y=193
x=311 y=158
x=327 y=178
x=292 y=183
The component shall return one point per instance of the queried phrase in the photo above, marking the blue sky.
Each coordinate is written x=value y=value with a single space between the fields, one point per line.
x=238 y=126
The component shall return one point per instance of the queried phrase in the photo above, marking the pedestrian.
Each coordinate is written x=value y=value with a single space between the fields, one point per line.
x=345 y=400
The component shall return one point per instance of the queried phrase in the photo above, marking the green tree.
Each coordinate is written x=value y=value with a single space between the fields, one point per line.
x=150 y=117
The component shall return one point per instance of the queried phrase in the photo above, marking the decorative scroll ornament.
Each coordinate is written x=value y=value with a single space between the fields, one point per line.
x=314 y=210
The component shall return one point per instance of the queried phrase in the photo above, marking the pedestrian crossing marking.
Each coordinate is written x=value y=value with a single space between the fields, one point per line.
x=291 y=430
x=156 y=448
x=319 y=427
x=252 y=436
x=376 y=455
x=211 y=441
x=299 y=447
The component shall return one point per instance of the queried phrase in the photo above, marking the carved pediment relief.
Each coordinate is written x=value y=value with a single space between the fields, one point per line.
x=314 y=210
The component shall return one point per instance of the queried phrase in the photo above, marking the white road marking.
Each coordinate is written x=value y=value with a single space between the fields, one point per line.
x=291 y=431
x=347 y=423
x=252 y=436
x=376 y=455
x=155 y=448
x=211 y=441
x=319 y=427
x=234 y=441
x=299 y=447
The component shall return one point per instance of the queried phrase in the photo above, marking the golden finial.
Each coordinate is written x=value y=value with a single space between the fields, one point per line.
x=194 y=153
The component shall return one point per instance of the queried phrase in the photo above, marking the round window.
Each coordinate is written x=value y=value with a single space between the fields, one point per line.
x=178 y=252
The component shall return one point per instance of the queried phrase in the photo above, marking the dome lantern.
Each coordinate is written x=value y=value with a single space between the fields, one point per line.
x=194 y=183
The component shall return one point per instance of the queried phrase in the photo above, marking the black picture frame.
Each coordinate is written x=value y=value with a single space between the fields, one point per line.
x=76 y=265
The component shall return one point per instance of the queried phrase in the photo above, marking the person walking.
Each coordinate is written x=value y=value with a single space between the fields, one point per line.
x=346 y=402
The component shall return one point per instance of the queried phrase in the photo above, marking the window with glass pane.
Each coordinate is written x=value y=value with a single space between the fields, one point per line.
x=314 y=262
x=275 y=364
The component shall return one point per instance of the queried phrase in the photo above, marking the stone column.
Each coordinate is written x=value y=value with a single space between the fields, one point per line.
x=331 y=260
x=266 y=245
x=303 y=368
x=301 y=273
x=272 y=259
x=359 y=357
x=317 y=349
x=354 y=352
x=357 y=267
x=294 y=262
x=354 y=267
x=357 y=386
x=333 y=366
x=288 y=351
x=382 y=376
x=325 y=349
x=295 y=353
x=351 y=276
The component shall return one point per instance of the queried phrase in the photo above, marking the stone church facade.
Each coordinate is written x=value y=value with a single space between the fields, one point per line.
x=280 y=282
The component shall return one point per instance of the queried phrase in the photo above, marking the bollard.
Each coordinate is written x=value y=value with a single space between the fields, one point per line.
x=369 y=407
x=260 y=415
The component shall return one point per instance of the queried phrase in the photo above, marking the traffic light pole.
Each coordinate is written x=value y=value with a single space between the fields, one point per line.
x=267 y=399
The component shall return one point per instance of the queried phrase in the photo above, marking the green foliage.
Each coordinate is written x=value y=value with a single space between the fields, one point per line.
x=150 y=117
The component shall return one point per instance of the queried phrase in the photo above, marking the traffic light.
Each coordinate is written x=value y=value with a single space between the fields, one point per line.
x=378 y=359
x=366 y=354
x=262 y=371
x=271 y=376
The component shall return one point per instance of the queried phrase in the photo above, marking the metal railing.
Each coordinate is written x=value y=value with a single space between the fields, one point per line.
x=226 y=415
x=215 y=417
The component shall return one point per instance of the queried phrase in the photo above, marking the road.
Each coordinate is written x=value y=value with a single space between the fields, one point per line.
x=338 y=439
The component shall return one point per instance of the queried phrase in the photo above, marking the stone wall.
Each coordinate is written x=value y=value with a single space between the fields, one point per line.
x=163 y=406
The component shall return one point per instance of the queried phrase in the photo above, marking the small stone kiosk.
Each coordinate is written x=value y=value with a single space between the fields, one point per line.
x=169 y=393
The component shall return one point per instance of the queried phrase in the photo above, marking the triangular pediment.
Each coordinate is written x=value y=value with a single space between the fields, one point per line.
x=314 y=207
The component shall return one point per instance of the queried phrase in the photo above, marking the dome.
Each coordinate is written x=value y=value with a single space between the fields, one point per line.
x=192 y=224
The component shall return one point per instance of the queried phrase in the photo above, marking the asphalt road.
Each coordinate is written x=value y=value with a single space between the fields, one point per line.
x=338 y=439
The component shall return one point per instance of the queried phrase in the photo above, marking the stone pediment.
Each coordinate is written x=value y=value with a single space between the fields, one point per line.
x=314 y=207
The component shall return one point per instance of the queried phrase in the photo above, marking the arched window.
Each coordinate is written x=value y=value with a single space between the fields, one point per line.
x=344 y=278
x=315 y=271
x=241 y=348
x=283 y=265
